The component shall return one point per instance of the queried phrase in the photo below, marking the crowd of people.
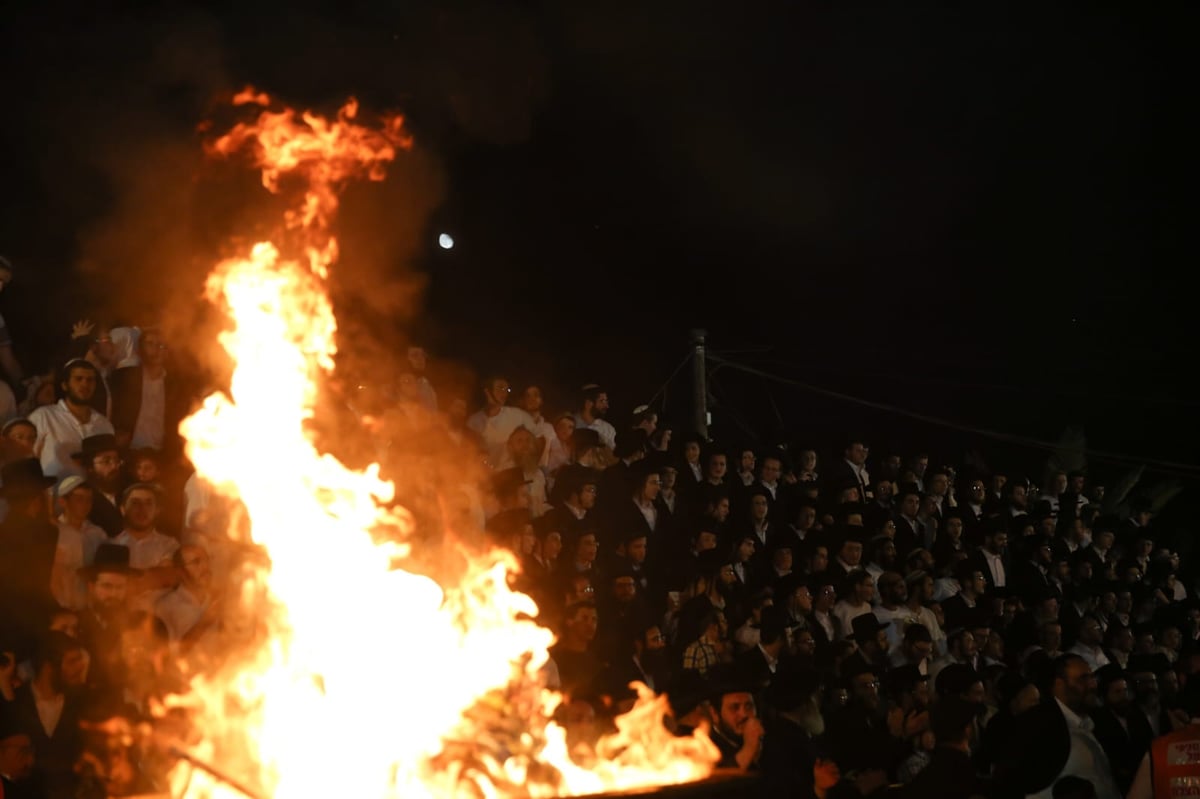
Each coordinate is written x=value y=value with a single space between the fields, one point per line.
x=849 y=626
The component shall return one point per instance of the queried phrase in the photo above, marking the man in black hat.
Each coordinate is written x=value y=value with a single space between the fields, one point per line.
x=511 y=489
x=1119 y=727
x=871 y=638
x=575 y=494
x=28 y=542
x=100 y=460
x=792 y=756
x=857 y=732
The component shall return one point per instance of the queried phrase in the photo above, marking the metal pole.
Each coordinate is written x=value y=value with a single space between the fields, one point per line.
x=699 y=384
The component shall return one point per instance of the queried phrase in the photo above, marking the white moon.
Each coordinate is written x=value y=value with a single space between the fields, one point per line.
x=446 y=241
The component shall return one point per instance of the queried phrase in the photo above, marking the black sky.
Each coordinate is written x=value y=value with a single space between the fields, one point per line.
x=977 y=212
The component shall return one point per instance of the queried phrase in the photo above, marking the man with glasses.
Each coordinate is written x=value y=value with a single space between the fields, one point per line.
x=62 y=427
x=101 y=463
x=147 y=403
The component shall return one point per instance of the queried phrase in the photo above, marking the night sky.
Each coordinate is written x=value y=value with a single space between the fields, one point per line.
x=977 y=213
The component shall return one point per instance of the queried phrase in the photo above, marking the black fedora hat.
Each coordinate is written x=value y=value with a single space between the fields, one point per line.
x=94 y=445
x=24 y=475
x=109 y=558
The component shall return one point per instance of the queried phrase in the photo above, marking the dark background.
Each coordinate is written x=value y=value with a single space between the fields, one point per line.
x=976 y=213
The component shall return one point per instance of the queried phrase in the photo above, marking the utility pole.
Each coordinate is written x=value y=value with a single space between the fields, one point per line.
x=699 y=383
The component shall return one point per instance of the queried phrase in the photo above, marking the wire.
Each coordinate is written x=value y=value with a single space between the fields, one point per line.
x=662 y=390
x=1168 y=467
x=965 y=384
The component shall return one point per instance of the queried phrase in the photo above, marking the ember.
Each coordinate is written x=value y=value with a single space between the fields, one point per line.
x=475 y=720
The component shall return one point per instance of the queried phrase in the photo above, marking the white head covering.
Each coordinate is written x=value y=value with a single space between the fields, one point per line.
x=125 y=339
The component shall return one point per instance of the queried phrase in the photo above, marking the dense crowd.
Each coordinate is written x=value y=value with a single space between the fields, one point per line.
x=845 y=626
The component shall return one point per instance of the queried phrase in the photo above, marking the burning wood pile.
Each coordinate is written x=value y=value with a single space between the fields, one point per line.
x=469 y=716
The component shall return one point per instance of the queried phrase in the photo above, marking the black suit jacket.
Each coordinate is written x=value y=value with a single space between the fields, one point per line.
x=55 y=754
x=1124 y=747
x=126 y=387
x=105 y=514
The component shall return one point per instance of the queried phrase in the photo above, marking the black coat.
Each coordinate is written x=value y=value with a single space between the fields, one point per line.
x=1124 y=745
x=105 y=514
x=949 y=775
x=28 y=546
x=127 y=404
x=55 y=755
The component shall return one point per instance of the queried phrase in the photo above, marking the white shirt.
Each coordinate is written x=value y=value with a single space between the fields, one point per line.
x=59 y=435
x=76 y=548
x=996 y=566
x=864 y=479
x=1095 y=658
x=495 y=431
x=649 y=513
x=152 y=417
x=49 y=711
x=179 y=610
x=1086 y=759
x=150 y=551
x=846 y=613
x=608 y=433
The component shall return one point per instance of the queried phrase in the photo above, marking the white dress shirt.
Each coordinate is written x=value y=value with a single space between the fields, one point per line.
x=60 y=434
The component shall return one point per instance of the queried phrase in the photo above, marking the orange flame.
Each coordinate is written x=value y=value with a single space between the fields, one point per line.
x=338 y=703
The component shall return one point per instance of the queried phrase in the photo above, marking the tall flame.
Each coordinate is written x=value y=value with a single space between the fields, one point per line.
x=338 y=702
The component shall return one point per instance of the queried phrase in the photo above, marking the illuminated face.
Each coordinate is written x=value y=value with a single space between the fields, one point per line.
x=23 y=436
x=624 y=589
x=497 y=393
x=531 y=400
x=74 y=668
x=771 y=469
x=651 y=488
x=736 y=710
x=197 y=569
x=78 y=504
x=563 y=428
x=106 y=465
x=552 y=545
x=705 y=541
x=759 y=507
x=586 y=549
x=107 y=591
x=146 y=471
x=140 y=509
x=716 y=467
x=80 y=385
x=856 y=453
x=153 y=347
